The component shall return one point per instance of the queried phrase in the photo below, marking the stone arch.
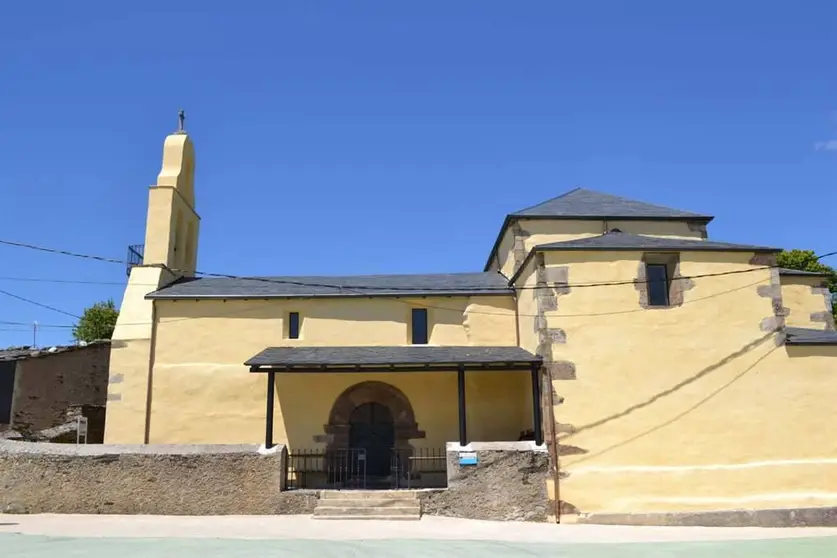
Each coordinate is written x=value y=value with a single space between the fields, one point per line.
x=404 y=418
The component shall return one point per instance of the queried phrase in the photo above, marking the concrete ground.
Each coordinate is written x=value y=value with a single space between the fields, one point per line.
x=37 y=536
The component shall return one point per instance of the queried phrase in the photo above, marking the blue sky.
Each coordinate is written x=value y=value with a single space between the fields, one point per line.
x=365 y=137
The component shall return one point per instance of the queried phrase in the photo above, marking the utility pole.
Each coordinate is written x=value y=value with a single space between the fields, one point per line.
x=35 y=335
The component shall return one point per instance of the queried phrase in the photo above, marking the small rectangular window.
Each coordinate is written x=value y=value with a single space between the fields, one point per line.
x=293 y=325
x=658 y=285
x=419 y=326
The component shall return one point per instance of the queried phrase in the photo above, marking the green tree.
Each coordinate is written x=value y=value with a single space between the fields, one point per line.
x=97 y=322
x=806 y=260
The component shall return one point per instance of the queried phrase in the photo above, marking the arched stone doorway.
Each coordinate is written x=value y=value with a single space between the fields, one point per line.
x=372 y=415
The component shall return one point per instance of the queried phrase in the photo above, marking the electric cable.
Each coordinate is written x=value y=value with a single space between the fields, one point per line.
x=352 y=288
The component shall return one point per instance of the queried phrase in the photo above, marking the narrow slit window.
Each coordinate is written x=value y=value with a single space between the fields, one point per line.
x=658 y=284
x=419 y=326
x=293 y=325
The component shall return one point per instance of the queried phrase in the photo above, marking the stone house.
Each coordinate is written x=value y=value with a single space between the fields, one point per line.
x=42 y=391
x=663 y=372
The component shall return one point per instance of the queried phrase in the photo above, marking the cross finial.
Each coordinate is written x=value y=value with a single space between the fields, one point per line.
x=181 y=121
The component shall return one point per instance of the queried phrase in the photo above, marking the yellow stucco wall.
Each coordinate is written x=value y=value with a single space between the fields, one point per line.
x=171 y=233
x=544 y=231
x=527 y=306
x=228 y=406
x=130 y=357
x=172 y=225
x=688 y=408
x=801 y=301
x=201 y=392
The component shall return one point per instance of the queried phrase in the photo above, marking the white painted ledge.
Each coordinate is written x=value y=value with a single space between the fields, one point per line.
x=528 y=445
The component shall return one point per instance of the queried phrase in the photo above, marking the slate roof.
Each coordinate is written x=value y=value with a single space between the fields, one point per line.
x=442 y=284
x=615 y=240
x=581 y=203
x=26 y=352
x=786 y=271
x=806 y=336
x=318 y=357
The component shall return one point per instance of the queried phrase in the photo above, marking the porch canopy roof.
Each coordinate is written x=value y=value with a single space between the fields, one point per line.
x=385 y=359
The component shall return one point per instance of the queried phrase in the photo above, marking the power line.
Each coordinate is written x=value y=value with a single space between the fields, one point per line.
x=61 y=252
x=64 y=281
x=36 y=303
x=3 y=322
x=434 y=307
x=367 y=287
x=352 y=288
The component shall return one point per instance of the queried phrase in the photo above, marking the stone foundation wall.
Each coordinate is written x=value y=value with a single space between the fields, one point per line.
x=797 y=517
x=508 y=483
x=170 y=480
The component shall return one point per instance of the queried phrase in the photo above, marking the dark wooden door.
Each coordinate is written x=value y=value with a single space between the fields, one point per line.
x=371 y=428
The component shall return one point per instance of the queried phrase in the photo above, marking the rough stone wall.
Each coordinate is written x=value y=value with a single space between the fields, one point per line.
x=552 y=283
x=170 y=480
x=506 y=484
x=776 y=321
x=825 y=316
x=47 y=385
x=772 y=518
x=519 y=249
x=700 y=228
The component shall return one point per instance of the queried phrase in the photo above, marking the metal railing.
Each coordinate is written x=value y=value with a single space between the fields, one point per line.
x=419 y=468
x=322 y=469
x=319 y=469
x=136 y=254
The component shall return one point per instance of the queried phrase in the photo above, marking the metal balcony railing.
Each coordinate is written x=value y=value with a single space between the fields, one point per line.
x=135 y=256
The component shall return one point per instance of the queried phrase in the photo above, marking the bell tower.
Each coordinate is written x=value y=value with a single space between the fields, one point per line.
x=171 y=252
x=171 y=229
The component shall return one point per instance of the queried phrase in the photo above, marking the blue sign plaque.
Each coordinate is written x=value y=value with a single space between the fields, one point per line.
x=468 y=458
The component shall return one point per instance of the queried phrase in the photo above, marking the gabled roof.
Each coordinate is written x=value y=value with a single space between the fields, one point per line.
x=799 y=272
x=584 y=204
x=581 y=203
x=385 y=358
x=617 y=240
x=440 y=284
x=806 y=336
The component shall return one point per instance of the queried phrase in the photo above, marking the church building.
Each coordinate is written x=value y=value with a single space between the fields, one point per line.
x=661 y=370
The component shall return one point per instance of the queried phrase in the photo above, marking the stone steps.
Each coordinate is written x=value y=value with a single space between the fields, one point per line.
x=390 y=505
